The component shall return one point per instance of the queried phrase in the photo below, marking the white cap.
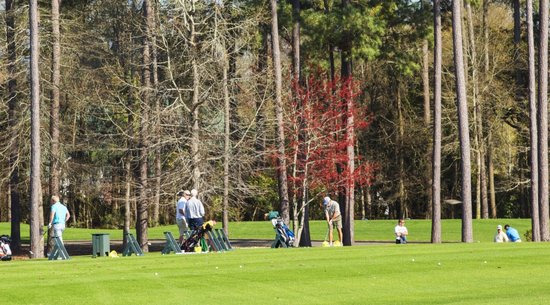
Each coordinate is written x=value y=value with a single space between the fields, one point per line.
x=326 y=200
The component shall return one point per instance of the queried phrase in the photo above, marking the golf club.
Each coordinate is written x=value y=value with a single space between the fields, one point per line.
x=325 y=243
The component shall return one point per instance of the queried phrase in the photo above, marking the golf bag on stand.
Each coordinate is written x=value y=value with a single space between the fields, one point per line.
x=5 y=250
x=284 y=237
x=196 y=238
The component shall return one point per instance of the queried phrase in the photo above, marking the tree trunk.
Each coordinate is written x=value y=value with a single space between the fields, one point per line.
x=296 y=39
x=304 y=233
x=427 y=119
x=517 y=36
x=481 y=118
x=400 y=151
x=37 y=239
x=260 y=140
x=436 y=159
x=471 y=47
x=128 y=159
x=535 y=225
x=426 y=81
x=464 y=133
x=490 y=172
x=227 y=145
x=151 y=33
x=195 y=133
x=279 y=111
x=349 y=229
x=55 y=153
x=465 y=43
x=486 y=35
x=15 y=204
x=143 y=205
x=330 y=47
x=481 y=183
x=543 y=122
x=346 y=77
x=346 y=58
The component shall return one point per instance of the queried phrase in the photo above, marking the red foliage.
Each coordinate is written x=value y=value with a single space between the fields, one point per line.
x=317 y=136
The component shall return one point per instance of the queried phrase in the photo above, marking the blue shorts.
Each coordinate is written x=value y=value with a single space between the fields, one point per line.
x=195 y=223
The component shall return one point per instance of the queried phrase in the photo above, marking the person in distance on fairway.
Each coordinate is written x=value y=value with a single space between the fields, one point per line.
x=194 y=211
x=334 y=219
x=58 y=217
x=180 y=213
x=401 y=232
x=512 y=234
x=500 y=237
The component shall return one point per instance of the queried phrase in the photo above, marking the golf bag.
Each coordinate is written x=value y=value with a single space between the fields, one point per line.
x=284 y=231
x=5 y=251
x=196 y=237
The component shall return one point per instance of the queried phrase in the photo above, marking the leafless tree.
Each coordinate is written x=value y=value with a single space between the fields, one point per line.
x=279 y=109
x=13 y=116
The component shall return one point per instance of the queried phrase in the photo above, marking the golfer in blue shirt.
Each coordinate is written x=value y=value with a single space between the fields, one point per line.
x=512 y=234
x=58 y=217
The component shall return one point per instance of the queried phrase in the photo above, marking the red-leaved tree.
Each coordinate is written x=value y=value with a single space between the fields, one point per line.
x=317 y=142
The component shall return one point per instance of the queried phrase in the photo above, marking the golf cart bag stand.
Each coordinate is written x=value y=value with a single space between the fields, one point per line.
x=171 y=244
x=218 y=235
x=132 y=246
x=213 y=241
x=224 y=238
x=59 y=251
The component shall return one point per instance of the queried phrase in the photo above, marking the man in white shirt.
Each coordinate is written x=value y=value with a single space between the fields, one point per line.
x=501 y=237
x=180 y=213
x=194 y=211
x=401 y=232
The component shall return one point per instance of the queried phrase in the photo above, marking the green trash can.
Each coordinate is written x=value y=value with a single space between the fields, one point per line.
x=100 y=244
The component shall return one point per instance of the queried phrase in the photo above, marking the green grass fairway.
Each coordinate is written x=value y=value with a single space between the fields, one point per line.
x=371 y=230
x=453 y=273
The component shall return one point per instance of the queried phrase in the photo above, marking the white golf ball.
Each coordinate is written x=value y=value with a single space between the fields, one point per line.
x=156 y=273
x=485 y=262
x=216 y=267
x=240 y=266
x=439 y=264
x=413 y=259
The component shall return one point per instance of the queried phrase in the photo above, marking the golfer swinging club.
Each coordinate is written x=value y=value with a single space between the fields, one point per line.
x=334 y=219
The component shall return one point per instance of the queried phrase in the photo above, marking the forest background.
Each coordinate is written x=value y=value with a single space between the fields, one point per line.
x=259 y=105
